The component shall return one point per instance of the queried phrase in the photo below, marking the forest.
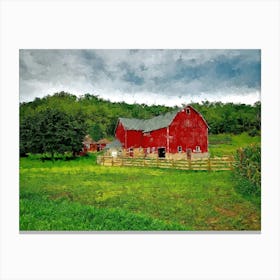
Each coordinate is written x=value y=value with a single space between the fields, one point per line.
x=90 y=114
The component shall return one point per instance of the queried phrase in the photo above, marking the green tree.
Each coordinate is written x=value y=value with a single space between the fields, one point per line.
x=96 y=132
x=101 y=115
x=52 y=131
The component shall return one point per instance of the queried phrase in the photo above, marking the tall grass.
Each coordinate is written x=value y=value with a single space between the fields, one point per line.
x=248 y=170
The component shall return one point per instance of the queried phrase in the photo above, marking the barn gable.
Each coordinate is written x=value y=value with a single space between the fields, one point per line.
x=199 y=115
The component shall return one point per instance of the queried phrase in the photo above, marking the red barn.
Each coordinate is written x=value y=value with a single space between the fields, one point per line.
x=89 y=144
x=183 y=132
x=101 y=144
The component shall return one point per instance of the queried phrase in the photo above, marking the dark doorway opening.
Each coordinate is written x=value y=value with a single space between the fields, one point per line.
x=161 y=152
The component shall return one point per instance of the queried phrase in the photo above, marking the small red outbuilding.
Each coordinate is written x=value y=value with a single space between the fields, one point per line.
x=101 y=144
x=181 y=131
x=89 y=144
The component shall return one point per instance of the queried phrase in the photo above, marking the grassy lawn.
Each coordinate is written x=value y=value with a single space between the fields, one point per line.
x=79 y=195
x=227 y=144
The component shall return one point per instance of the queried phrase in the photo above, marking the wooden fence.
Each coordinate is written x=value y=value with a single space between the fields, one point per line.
x=215 y=164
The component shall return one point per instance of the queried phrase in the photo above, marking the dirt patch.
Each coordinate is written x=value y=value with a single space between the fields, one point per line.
x=226 y=212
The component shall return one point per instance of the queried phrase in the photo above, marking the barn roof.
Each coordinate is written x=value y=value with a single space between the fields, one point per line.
x=155 y=123
x=115 y=144
x=103 y=141
x=132 y=124
x=159 y=121
x=150 y=124
x=88 y=140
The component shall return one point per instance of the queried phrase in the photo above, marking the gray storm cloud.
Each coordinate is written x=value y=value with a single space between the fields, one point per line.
x=143 y=76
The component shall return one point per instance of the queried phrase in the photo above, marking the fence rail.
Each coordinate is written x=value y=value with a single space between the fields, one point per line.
x=215 y=164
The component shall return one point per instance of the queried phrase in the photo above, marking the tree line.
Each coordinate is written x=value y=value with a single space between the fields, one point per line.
x=59 y=122
x=230 y=117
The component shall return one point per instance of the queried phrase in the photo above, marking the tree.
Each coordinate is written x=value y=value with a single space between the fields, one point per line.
x=29 y=141
x=101 y=115
x=96 y=132
x=52 y=131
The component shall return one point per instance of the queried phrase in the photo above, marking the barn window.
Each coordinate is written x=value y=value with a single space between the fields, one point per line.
x=153 y=149
x=179 y=149
x=197 y=149
x=188 y=111
x=148 y=150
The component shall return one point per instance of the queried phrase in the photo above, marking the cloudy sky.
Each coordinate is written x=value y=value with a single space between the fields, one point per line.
x=169 y=77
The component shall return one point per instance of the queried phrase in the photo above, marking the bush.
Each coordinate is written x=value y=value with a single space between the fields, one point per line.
x=254 y=132
x=48 y=157
x=248 y=170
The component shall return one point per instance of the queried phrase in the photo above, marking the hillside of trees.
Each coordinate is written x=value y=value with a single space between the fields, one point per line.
x=98 y=117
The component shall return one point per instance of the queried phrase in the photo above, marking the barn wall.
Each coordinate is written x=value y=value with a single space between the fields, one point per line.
x=188 y=131
x=120 y=133
x=156 y=138
x=134 y=138
x=128 y=138
x=180 y=156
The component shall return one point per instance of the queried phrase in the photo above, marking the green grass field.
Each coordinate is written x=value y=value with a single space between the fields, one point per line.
x=80 y=195
x=226 y=144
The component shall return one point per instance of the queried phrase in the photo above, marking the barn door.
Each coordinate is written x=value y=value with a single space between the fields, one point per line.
x=161 y=152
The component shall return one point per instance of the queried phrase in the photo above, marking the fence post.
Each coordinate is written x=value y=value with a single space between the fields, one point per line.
x=231 y=162
x=209 y=165
x=190 y=164
x=112 y=161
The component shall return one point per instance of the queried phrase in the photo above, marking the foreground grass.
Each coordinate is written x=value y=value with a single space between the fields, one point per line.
x=80 y=195
x=41 y=213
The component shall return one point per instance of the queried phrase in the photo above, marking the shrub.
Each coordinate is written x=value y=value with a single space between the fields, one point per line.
x=248 y=170
x=254 y=132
